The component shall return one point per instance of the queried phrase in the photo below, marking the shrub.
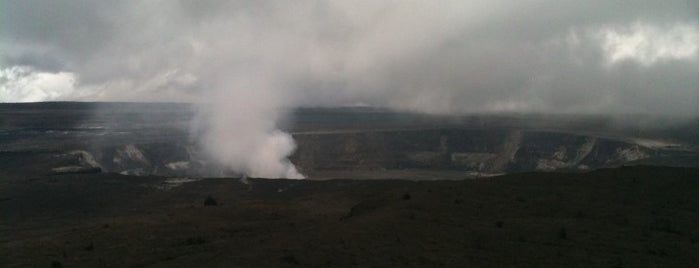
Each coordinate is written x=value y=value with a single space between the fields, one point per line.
x=210 y=201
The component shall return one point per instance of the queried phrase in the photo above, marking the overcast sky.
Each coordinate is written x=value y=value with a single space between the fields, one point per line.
x=620 y=56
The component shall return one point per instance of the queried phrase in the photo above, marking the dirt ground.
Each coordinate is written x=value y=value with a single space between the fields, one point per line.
x=624 y=217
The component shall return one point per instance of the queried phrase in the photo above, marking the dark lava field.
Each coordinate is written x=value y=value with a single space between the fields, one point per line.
x=124 y=185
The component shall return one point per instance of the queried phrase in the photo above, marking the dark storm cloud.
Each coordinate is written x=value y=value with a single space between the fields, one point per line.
x=57 y=31
x=461 y=56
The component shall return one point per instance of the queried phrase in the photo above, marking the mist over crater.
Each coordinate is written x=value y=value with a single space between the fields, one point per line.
x=247 y=63
x=326 y=143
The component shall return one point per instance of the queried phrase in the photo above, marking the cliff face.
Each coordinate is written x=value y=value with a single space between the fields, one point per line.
x=484 y=151
x=150 y=139
x=472 y=152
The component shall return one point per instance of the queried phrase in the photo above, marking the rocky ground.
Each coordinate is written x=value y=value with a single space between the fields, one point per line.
x=622 y=217
x=385 y=189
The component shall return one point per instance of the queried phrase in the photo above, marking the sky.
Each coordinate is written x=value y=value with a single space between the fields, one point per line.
x=246 y=63
x=430 y=56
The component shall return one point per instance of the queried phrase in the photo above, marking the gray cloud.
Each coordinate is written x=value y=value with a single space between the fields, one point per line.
x=439 y=57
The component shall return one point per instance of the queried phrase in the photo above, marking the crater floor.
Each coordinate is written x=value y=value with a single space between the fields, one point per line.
x=122 y=185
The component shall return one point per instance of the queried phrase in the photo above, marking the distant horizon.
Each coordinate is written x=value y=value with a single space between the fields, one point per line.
x=387 y=109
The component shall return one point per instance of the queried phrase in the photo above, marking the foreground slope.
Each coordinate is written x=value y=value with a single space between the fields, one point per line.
x=624 y=217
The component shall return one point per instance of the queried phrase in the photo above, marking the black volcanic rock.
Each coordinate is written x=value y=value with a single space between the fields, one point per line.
x=385 y=189
x=639 y=215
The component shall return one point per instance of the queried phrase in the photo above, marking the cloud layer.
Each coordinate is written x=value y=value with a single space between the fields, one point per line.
x=248 y=61
x=446 y=56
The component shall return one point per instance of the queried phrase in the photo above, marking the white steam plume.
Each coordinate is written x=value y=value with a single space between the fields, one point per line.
x=236 y=128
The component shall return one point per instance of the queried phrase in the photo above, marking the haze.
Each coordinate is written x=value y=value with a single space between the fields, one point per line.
x=249 y=61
